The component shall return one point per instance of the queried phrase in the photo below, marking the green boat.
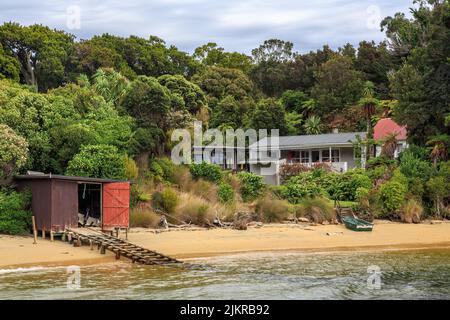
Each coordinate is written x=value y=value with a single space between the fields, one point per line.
x=356 y=224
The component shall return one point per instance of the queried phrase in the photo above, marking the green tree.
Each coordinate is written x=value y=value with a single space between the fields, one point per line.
x=338 y=85
x=269 y=114
x=98 y=161
x=41 y=52
x=421 y=85
x=193 y=97
x=218 y=83
x=13 y=153
x=9 y=66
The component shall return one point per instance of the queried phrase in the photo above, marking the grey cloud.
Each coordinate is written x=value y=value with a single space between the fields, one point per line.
x=234 y=24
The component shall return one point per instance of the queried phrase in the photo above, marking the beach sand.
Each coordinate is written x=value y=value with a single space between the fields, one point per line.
x=21 y=252
x=184 y=244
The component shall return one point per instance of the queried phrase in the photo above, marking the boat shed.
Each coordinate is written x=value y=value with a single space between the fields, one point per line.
x=59 y=202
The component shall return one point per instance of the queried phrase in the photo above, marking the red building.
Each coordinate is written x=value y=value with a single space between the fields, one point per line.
x=386 y=127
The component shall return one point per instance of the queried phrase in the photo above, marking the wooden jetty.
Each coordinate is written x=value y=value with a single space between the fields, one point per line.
x=120 y=247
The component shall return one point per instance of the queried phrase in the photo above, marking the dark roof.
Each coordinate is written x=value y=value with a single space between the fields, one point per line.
x=316 y=140
x=68 y=178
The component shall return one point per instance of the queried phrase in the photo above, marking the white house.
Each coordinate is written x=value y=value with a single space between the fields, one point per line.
x=336 y=149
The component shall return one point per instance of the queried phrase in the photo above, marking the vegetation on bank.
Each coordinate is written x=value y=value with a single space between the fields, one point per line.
x=106 y=107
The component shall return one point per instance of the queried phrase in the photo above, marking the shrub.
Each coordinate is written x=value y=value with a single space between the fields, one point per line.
x=156 y=169
x=272 y=210
x=131 y=169
x=166 y=200
x=15 y=217
x=193 y=209
x=300 y=187
x=414 y=167
x=316 y=209
x=137 y=195
x=437 y=188
x=225 y=193
x=205 y=189
x=99 y=161
x=252 y=185
x=412 y=211
x=13 y=152
x=162 y=169
x=207 y=171
x=167 y=167
x=143 y=218
x=182 y=177
x=392 y=196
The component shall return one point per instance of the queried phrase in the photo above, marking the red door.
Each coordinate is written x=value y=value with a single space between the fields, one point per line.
x=116 y=205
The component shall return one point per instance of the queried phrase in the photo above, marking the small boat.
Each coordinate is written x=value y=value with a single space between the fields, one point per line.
x=356 y=224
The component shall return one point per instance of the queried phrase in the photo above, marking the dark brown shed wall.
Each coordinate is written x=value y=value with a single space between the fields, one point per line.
x=64 y=204
x=41 y=201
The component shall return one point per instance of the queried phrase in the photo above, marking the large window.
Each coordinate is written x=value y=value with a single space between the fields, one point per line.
x=304 y=156
x=326 y=155
x=335 y=155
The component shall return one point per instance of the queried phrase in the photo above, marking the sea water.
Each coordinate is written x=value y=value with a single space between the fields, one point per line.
x=329 y=275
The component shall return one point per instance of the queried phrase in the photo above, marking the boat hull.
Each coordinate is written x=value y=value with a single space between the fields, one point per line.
x=356 y=224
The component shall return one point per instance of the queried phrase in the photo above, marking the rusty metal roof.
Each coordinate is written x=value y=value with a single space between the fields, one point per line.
x=49 y=176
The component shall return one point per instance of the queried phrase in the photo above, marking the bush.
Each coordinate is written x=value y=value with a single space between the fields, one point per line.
x=13 y=152
x=166 y=200
x=300 y=187
x=193 y=209
x=131 y=169
x=143 y=218
x=15 y=217
x=98 y=161
x=137 y=195
x=205 y=189
x=252 y=185
x=392 y=197
x=207 y=171
x=413 y=167
x=272 y=210
x=412 y=211
x=225 y=193
x=316 y=209
x=162 y=169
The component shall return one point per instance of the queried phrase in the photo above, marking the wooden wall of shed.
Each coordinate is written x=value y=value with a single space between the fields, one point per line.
x=41 y=201
x=64 y=204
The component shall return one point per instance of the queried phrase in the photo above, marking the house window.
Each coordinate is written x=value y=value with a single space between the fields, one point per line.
x=335 y=155
x=315 y=156
x=326 y=155
x=304 y=156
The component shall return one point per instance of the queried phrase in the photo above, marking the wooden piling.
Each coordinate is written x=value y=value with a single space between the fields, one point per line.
x=33 y=219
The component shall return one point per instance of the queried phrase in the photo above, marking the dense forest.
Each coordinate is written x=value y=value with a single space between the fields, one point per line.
x=96 y=106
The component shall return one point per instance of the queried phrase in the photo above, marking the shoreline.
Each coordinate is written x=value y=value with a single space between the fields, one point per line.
x=20 y=252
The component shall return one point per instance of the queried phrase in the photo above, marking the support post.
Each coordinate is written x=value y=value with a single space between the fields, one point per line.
x=33 y=219
x=51 y=236
x=43 y=232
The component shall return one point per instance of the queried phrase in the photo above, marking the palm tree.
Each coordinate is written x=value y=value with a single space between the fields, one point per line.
x=439 y=147
x=369 y=105
x=313 y=125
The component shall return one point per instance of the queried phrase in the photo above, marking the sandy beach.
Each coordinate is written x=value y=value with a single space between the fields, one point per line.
x=184 y=244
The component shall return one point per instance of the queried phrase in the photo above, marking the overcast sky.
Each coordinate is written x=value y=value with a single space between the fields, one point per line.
x=236 y=25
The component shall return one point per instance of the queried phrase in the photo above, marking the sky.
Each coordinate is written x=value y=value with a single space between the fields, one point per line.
x=236 y=25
